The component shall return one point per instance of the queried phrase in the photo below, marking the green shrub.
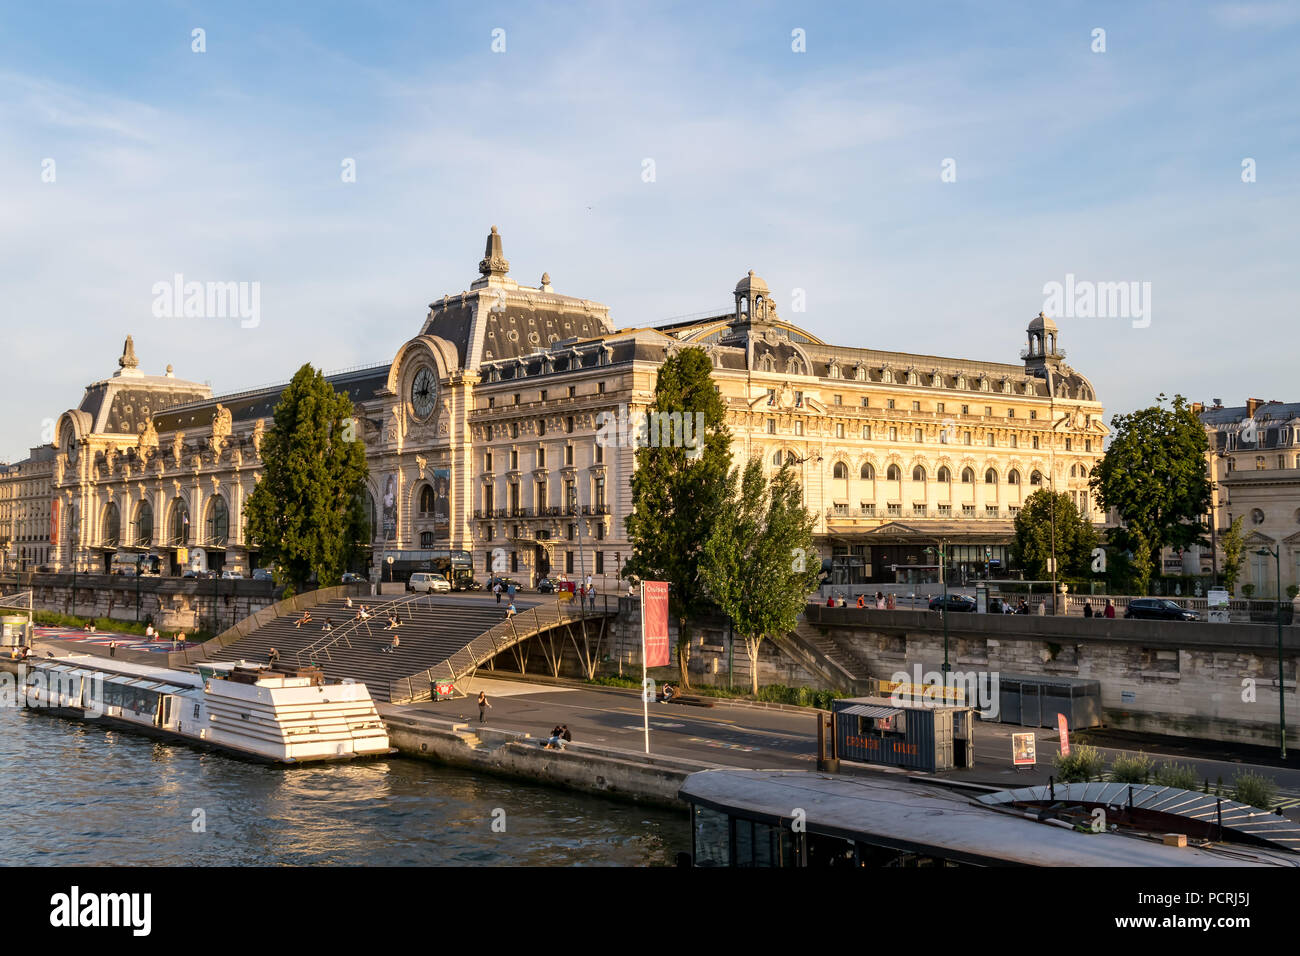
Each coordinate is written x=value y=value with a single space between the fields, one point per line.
x=1082 y=764
x=1255 y=790
x=1131 y=768
x=1177 y=775
x=1248 y=590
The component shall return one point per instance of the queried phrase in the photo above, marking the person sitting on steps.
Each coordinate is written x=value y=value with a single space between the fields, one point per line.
x=305 y=619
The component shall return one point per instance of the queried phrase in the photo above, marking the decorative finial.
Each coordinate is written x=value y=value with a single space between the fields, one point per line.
x=546 y=279
x=169 y=371
x=128 y=359
x=494 y=262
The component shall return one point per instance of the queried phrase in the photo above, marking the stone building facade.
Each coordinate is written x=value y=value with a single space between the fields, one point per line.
x=26 y=495
x=487 y=437
x=1254 y=464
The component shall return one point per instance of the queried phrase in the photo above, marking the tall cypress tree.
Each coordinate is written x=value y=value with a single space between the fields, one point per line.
x=678 y=492
x=305 y=513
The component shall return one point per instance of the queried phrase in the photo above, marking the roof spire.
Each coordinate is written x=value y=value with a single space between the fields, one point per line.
x=128 y=359
x=494 y=262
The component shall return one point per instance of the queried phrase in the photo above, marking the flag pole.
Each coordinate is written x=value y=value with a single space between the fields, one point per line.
x=645 y=698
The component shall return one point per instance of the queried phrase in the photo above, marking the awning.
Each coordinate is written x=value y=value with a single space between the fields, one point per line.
x=871 y=710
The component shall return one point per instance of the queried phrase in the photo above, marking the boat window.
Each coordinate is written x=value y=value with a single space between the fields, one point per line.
x=710 y=837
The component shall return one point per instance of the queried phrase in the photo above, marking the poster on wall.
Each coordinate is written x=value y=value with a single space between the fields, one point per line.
x=390 y=508
x=442 y=500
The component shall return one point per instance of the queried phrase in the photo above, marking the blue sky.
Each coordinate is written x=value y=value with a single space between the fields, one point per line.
x=820 y=170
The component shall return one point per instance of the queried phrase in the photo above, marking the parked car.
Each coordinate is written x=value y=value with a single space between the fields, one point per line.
x=545 y=586
x=465 y=581
x=351 y=577
x=232 y=575
x=505 y=584
x=956 y=602
x=1158 y=609
x=428 y=581
x=262 y=574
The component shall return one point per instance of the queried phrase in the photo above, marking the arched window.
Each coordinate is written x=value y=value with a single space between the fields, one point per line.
x=944 y=475
x=967 y=476
x=841 y=470
x=112 y=525
x=918 y=473
x=1074 y=471
x=1083 y=471
x=868 y=473
x=777 y=458
x=894 y=473
x=990 y=477
x=1013 y=477
x=218 y=521
x=178 y=527
x=426 y=500
x=1035 y=478
x=144 y=525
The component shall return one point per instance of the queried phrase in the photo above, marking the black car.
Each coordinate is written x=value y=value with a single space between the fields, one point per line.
x=1159 y=609
x=545 y=586
x=956 y=602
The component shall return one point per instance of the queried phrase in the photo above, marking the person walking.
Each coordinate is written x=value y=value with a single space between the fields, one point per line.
x=1110 y=608
x=273 y=657
x=483 y=705
x=148 y=632
x=496 y=589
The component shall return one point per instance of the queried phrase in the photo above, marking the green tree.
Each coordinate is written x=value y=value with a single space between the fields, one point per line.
x=1154 y=476
x=1234 y=550
x=679 y=491
x=1075 y=537
x=305 y=513
x=759 y=563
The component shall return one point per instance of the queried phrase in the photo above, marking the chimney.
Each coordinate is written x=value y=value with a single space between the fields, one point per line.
x=1252 y=404
x=1197 y=408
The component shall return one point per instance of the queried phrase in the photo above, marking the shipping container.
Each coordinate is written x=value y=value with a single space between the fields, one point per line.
x=912 y=735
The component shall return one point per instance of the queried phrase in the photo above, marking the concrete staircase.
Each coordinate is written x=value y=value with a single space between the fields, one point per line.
x=850 y=669
x=431 y=632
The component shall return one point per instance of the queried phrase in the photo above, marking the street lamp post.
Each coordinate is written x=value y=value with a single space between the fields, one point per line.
x=943 y=607
x=1281 y=685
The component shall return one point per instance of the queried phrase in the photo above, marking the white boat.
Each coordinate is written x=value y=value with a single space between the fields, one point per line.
x=283 y=714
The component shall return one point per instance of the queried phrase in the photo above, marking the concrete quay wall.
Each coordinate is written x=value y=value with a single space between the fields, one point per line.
x=1208 y=681
x=605 y=771
x=174 y=604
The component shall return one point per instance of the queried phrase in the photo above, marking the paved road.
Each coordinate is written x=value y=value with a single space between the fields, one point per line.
x=760 y=738
x=723 y=734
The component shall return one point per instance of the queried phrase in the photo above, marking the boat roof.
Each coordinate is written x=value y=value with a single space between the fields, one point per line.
x=894 y=811
x=87 y=665
x=91 y=663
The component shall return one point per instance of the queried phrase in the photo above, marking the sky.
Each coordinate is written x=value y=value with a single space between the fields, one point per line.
x=906 y=176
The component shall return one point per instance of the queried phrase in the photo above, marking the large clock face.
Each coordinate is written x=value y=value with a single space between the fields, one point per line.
x=424 y=392
x=70 y=446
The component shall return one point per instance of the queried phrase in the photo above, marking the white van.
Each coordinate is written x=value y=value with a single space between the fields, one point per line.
x=428 y=581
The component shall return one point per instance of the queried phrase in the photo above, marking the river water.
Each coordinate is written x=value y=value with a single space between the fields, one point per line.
x=77 y=793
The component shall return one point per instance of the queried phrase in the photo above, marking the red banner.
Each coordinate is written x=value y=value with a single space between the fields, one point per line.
x=654 y=623
x=1064 y=727
x=54 y=522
